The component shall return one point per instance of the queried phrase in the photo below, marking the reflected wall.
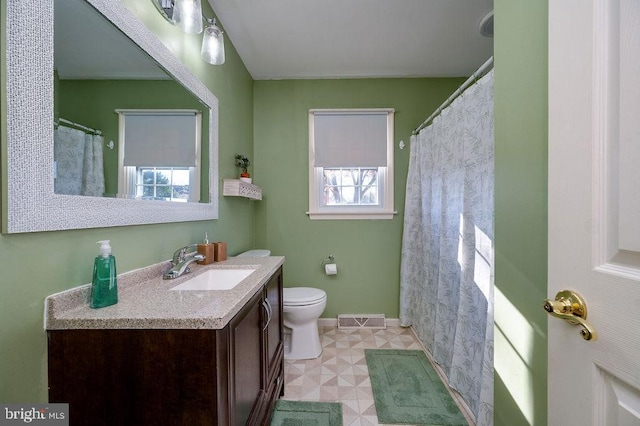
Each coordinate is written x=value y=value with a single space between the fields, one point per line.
x=97 y=111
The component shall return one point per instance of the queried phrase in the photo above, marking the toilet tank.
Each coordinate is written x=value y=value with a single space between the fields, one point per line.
x=255 y=253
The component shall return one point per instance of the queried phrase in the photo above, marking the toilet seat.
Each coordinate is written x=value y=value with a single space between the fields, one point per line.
x=303 y=296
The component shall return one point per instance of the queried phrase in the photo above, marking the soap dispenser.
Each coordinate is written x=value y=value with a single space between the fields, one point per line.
x=104 y=288
x=206 y=249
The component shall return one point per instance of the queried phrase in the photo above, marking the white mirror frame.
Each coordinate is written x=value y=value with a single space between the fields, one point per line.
x=31 y=204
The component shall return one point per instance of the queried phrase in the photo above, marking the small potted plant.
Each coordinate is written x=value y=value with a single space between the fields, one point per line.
x=243 y=162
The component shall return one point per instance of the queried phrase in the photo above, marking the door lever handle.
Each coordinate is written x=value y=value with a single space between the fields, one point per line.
x=570 y=306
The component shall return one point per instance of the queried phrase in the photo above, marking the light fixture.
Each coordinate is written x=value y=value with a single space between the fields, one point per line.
x=187 y=14
x=213 y=44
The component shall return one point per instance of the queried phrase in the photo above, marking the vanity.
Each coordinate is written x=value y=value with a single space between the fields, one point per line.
x=170 y=357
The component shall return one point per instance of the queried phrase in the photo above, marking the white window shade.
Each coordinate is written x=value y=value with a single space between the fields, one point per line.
x=350 y=139
x=160 y=139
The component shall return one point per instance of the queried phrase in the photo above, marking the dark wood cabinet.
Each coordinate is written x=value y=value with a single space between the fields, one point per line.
x=273 y=352
x=246 y=363
x=231 y=376
x=257 y=355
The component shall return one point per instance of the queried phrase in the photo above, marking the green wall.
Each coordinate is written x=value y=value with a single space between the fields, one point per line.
x=93 y=103
x=367 y=251
x=40 y=264
x=520 y=356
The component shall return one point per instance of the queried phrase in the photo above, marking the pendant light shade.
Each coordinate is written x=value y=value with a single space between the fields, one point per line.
x=213 y=44
x=187 y=14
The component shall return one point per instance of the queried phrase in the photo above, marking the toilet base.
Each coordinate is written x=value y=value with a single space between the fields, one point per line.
x=302 y=342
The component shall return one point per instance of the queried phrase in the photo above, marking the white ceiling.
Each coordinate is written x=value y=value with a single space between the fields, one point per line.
x=280 y=39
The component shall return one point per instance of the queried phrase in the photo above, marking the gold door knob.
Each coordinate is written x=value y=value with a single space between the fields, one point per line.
x=570 y=306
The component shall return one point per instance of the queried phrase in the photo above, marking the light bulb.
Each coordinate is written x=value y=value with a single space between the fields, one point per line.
x=213 y=45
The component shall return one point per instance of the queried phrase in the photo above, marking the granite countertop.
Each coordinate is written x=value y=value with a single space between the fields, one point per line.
x=145 y=299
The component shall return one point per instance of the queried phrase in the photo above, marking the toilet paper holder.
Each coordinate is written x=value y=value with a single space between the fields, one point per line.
x=330 y=259
x=329 y=265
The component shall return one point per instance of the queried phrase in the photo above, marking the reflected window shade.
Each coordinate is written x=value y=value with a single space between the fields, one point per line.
x=352 y=140
x=162 y=140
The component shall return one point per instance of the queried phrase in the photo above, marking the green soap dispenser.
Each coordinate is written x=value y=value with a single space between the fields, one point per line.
x=104 y=288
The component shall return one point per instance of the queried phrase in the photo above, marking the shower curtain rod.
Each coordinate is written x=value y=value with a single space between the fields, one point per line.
x=79 y=126
x=484 y=68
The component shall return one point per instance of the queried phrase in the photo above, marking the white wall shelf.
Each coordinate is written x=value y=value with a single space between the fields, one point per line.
x=239 y=188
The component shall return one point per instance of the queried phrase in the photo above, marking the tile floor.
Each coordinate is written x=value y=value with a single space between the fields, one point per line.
x=340 y=374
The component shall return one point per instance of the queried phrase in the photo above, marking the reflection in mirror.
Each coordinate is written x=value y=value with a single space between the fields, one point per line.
x=159 y=154
x=165 y=7
x=89 y=86
x=31 y=203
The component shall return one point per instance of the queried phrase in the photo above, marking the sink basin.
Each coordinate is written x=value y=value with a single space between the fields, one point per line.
x=215 y=279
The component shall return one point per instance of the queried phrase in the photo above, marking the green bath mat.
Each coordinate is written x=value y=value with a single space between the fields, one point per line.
x=407 y=390
x=305 y=413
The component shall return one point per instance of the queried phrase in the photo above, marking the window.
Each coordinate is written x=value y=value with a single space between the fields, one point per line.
x=351 y=164
x=163 y=183
x=159 y=155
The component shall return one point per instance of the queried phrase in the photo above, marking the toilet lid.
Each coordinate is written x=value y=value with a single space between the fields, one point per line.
x=255 y=253
x=300 y=296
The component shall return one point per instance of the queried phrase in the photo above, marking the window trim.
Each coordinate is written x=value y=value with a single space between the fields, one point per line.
x=386 y=210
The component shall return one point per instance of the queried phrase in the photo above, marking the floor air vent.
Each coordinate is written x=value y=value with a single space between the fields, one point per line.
x=347 y=321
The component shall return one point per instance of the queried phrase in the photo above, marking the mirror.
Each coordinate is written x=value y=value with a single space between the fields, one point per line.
x=31 y=204
x=89 y=87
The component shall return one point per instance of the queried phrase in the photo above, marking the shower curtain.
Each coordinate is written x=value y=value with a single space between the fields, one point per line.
x=79 y=166
x=446 y=290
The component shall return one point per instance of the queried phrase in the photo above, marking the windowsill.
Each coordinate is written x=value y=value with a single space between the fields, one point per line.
x=357 y=215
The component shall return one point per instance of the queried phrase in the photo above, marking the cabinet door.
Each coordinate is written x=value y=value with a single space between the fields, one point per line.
x=136 y=377
x=246 y=363
x=273 y=331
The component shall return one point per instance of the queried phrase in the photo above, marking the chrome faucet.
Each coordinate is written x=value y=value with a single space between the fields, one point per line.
x=181 y=261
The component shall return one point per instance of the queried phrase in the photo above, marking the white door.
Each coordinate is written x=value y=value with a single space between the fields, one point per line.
x=594 y=209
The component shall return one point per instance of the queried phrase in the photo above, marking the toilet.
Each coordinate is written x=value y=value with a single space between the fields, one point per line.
x=302 y=306
x=255 y=253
